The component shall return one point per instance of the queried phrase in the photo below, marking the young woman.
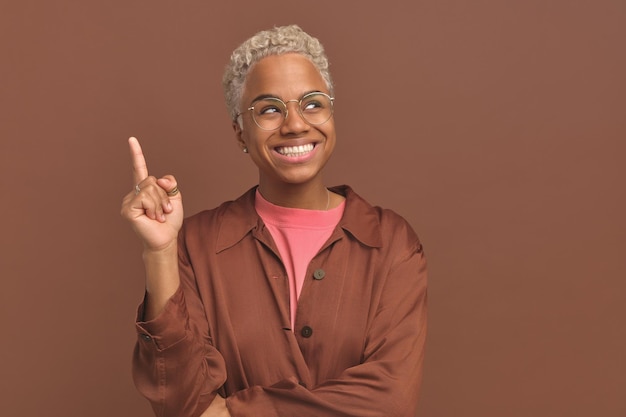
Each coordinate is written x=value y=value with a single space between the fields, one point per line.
x=295 y=299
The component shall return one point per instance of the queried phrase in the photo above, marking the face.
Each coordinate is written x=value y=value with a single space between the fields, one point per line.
x=296 y=152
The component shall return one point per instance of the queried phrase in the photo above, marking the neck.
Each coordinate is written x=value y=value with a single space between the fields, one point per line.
x=305 y=196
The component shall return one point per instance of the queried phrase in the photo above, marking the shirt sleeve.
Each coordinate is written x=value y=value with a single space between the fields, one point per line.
x=175 y=365
x=387 y=381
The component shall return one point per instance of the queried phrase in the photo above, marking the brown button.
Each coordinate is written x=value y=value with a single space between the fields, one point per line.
x=306 y=331
x=145 y=337
x=319 y=274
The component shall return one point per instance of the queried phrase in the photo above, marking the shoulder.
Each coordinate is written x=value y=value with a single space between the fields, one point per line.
x=398 y=234
x=375 y=225
x=206 y=218
x=232 y=217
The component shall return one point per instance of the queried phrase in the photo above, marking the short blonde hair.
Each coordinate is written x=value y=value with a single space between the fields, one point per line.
x=276 y=41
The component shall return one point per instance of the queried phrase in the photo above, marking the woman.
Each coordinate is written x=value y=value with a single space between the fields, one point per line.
x=293 y=300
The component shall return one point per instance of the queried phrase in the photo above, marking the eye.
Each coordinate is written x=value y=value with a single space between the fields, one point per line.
x=268 y=110
x=312 y=105
x=269 y=107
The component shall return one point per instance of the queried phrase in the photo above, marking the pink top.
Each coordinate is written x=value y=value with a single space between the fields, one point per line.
x=299 y=234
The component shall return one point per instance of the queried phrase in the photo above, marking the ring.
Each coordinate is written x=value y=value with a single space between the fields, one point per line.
x=173 y=192
x=137 y=189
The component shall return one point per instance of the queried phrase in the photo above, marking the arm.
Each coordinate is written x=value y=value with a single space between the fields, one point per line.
x=174 y=365
x=171 y=358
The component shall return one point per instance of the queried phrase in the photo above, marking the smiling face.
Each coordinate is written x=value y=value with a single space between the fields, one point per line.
x=296 y=152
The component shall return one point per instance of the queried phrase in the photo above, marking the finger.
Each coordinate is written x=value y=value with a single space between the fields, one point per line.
x=170 y=186
x=154 y=208
x=140 y=169
x=153 y=199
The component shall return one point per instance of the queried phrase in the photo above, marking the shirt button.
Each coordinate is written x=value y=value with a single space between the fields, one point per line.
x=319 y=274
x=306 y=331
x=145 y=337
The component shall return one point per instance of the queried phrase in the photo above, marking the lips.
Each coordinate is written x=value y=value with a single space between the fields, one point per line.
x=295 y=151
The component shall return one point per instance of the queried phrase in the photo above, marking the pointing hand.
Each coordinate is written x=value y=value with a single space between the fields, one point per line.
x=154 y=207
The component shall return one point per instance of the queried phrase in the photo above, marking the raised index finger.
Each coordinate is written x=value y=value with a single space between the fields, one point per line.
x=140 y=169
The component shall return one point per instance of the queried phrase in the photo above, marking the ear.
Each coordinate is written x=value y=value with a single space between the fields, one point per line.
x=239 y=134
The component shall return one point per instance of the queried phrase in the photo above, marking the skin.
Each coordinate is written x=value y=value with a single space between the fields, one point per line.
x=157 y=217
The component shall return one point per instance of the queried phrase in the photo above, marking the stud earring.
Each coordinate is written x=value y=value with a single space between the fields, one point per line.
x=245 y=150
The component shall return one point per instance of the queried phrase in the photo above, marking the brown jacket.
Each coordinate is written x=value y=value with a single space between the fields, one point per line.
x=358 y=343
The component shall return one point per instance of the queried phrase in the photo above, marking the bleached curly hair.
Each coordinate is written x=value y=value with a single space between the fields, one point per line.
x=276 y=41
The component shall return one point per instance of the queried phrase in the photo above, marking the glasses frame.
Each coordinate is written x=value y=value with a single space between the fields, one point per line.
x=299 y=101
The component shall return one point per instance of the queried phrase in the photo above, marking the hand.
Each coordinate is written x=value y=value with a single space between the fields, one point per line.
x=155 y=215
x=217 y=408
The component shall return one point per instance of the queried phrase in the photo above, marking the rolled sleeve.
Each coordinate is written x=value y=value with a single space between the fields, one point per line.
x=175 y=368
x=168 y=328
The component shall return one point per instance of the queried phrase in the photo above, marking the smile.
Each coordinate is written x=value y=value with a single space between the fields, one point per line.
x=293 y=151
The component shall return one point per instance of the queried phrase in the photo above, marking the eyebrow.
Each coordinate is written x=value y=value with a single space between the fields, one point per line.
x=264 y=96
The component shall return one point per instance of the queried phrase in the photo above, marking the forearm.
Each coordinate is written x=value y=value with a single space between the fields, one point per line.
x=179 y=381
x=162 y=278
x=364 y=391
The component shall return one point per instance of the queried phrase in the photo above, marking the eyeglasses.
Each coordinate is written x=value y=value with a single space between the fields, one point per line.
x=269 y=113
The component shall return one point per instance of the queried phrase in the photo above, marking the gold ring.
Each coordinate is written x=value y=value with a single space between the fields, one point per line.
x=173 y=192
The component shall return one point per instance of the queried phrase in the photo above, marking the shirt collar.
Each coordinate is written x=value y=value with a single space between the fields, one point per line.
x=360 y=219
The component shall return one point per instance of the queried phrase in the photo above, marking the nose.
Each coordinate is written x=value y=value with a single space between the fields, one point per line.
x=294 y=123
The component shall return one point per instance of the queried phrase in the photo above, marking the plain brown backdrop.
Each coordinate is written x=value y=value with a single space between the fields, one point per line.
x=497 y=128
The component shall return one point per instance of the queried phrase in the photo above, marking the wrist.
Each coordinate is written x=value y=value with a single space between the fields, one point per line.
x=162 y=277
x=163 y=253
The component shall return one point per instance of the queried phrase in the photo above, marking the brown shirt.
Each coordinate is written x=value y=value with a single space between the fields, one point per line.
x=358 y=342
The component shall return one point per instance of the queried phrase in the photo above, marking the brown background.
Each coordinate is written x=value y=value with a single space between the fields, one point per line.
x=497 y=128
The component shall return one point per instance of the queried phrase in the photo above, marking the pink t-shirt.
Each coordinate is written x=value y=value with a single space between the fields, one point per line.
x=299 y=234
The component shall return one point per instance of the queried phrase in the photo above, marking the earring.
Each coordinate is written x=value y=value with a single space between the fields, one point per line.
x=245 y=150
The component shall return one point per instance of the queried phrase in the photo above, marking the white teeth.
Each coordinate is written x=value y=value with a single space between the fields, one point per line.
x=295 y=150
